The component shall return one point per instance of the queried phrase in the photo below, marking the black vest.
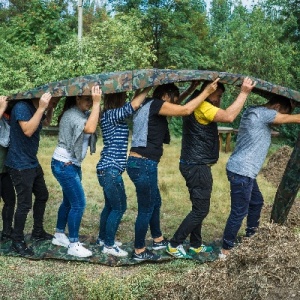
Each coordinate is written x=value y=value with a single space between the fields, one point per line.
x=200 y=143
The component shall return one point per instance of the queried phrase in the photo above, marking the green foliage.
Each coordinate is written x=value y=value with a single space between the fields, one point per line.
x=20 y=67
x=43 y=24
x=39 y=41
x=177 y=30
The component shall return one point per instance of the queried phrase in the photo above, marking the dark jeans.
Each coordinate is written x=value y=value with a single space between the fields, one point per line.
x=26 y=183
x=115 y=204
x=7 y=193
x=143 y=173
x=73 y=204
x=246 y=198
x=199 y=182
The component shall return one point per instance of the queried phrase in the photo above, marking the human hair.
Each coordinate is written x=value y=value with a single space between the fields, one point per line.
x=285 y=103
x=170 y=89
x=207 y=82
x=69 y=102
x=115 y=100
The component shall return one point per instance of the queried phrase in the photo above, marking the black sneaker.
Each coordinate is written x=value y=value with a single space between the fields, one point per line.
x=41 y=236
x=22 y=249
x=160 y=245
x=145 y=255
x=5 y=237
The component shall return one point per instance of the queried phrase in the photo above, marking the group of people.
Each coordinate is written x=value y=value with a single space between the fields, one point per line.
x=21 y=175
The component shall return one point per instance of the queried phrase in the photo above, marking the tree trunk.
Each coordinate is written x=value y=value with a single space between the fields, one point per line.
x=288 y=188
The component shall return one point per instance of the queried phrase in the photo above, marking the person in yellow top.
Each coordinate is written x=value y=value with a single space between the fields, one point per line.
x=205 y=113
x=199 y=151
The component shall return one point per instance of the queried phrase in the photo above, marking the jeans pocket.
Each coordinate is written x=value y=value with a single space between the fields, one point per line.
x=101 y=177
x=133 y=170
x=115 y=173
x=239 y=180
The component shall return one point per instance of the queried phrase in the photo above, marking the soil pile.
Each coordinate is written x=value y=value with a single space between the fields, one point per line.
x=276 y=165
x=265 y=266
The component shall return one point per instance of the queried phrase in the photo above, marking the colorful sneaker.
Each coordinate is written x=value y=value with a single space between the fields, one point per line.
x=177 y=252
x=160 y=245
x=145 y=255
x=76 y=249
x=202 y=249
x=115 y=251
x=101 y=243
x=60 y=239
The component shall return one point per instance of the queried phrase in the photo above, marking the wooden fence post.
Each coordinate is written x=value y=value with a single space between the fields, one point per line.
x=288 y=187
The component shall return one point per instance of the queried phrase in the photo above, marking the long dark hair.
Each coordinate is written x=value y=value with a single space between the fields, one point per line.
x=170 y=89
x=115 y=100
x=69 y=102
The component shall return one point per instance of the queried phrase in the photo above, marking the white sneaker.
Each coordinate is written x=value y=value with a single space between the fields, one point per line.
x=115 y=251
x=223 y=256
x=101 y=243
x=60 y=239
x=76 y=249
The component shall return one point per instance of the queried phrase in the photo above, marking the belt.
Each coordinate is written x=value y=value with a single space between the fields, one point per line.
x=134 y=154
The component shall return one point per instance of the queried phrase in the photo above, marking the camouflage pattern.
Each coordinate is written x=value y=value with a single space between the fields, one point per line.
x=288 y=187
x=122 y=81
x=46 y=250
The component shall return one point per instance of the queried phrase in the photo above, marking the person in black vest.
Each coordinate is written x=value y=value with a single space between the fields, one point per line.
x=150 y=132
x=200 y=150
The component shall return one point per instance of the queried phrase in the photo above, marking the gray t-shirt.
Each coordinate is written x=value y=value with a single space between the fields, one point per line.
x=253 y=141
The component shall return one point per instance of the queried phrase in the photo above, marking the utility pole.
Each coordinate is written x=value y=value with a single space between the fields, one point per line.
x=79 y=20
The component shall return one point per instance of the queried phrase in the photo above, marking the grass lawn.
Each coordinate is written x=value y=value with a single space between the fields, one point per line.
x=48 y=279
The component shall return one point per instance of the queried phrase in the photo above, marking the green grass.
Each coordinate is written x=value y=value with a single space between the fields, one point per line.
x=49 y=279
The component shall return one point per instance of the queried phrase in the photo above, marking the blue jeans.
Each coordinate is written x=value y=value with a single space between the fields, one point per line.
x=246 y=199
x=143 y=173
x=115 y=204
x=72 y=207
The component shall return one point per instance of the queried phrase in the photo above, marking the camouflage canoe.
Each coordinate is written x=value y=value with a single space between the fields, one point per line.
x=114 y=82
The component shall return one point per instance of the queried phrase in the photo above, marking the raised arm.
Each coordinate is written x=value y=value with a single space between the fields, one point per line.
x=49 y=114
x=230 y=113
x=169 y=109
x=29 y=127
x=286 y=118
x=139 y=97
x=3 y=105
x=92 y=122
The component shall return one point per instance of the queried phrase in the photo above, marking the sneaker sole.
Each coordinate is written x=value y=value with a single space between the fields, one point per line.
x=182 y=257
x=82 y=256
x=23 y=254
x=159 y=247
x=116 y=255
x=57 y=243
x=146 y=259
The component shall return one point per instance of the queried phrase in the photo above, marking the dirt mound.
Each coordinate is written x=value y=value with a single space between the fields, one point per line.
x=276 y=165
x=265 y=266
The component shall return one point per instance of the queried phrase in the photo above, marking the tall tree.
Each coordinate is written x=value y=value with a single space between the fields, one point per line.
x=40 y=23
x=175 y=29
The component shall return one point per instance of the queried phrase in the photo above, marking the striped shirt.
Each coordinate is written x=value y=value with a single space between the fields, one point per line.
x=115 y=134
